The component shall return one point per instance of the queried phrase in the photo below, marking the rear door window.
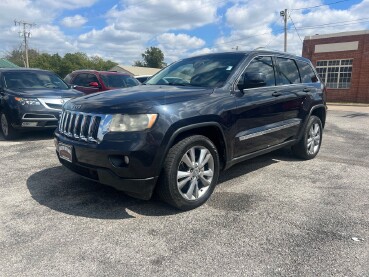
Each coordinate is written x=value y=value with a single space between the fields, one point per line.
x=307 y=73
x=288 y=71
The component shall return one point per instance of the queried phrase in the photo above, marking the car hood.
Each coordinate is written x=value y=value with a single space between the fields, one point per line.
x=138 y=99
x=47 y=93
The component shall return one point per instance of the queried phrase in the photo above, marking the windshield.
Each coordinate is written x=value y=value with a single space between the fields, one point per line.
x=32 y=80
x=119 y=81
x=204 y=71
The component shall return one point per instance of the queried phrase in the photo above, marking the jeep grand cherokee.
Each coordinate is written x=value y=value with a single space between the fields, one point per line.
x=194 y=118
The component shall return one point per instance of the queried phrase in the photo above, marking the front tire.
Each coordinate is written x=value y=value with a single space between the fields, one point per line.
x=8 y=131
x=190 y=173
x=309 y=145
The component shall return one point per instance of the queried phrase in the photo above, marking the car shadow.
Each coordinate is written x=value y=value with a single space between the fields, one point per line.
x=31 y=136
x=66 y=192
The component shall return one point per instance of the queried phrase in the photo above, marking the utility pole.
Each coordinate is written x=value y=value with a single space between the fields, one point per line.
x=25 y=34
x=284 y=14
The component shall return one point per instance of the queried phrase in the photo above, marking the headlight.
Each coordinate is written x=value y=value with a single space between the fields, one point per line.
x=27 y=101
x=132 y=122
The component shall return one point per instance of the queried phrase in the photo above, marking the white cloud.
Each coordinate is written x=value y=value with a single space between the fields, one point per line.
x=51 y=39
x=64 y=4
x=170 y=40
x=176 y=46
x=74 y=21
x=155 y=16
x=254 y=24
x=131 y=26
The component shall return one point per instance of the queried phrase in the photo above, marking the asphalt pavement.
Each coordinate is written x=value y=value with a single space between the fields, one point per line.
x=273 y=215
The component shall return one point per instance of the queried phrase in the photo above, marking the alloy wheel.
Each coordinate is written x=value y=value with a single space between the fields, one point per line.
x=195 y=173
x=313 y=140
x=4 y=125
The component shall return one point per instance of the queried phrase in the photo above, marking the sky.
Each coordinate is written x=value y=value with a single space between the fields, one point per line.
x=122 y=30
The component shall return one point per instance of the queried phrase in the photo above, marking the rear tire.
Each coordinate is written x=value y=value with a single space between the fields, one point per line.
x=309 y=145
x=190 y=173
x=8 y=131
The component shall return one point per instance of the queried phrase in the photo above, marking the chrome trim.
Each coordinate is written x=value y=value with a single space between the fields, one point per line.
x=52 y=117
x=271 y=130
x=55 y=101
x=76 y=126
x=89 y=132
x=83 y=126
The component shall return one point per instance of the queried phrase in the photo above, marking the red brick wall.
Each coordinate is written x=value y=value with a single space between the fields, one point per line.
x=359 y=90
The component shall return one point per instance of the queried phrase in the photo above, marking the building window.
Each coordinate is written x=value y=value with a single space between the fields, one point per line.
x=335 y=73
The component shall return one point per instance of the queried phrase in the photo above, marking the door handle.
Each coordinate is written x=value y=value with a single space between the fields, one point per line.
x=306 y=90
x=276 y=93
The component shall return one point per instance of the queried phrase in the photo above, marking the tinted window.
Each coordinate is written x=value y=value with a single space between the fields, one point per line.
x=306 y=72
x=80 y=79
x=259 y=73
x=118 y=81
x=289 y=73
x=84 y=79
x=202 y=71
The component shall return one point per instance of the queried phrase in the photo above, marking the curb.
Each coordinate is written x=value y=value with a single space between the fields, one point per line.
x=347 y=104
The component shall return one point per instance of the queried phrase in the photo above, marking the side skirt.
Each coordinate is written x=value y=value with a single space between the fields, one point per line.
x=258 y=153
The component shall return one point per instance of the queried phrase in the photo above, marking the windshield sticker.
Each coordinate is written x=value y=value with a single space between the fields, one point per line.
x=229 y=68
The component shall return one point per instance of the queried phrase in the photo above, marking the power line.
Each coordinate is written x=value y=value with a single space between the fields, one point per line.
x=343 y=23
x=295 y=27
x=313 y=7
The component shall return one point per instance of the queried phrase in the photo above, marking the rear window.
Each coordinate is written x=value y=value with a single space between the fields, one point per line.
x=306 y=72
x=288 y=72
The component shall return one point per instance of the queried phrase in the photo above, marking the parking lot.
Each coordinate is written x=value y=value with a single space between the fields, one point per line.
x=270 y=216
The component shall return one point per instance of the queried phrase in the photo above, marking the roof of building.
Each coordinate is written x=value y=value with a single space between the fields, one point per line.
x=136 y=70
x=342 y=34
x=4 y=63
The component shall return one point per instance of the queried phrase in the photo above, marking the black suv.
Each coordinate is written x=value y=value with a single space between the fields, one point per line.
x=31 y=99
x=194 y=118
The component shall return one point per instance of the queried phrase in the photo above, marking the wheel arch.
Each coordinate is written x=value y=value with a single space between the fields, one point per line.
x=211 y=130
x=319 y=111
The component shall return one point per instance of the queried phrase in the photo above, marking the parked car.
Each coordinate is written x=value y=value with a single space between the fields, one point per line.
x=193 y=119
x=90 y=81
x=31 y=99
x=143 y=78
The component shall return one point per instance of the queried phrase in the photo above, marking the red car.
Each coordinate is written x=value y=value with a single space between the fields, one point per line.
x=90 y=81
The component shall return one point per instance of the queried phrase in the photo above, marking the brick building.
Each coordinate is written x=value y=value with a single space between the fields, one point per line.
x=342 y=61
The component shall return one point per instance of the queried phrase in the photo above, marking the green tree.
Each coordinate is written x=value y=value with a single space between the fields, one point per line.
x=60 y=65
x=152 y=57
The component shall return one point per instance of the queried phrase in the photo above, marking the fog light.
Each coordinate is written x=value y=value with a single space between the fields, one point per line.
x=119 y=161
x=29 y=124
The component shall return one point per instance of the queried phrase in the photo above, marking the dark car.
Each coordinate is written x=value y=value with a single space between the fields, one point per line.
x=31 y=99
x=90 y=81
x=193 y=119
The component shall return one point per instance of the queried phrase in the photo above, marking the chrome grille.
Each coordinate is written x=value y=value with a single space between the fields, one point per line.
x=83 y=126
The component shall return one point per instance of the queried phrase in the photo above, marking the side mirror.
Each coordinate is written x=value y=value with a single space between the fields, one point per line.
x=94 y=84
x=252 y=80
x=314 y=79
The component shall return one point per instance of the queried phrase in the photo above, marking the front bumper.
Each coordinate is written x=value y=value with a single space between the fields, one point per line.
x=119 y=164
x=35 y=118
